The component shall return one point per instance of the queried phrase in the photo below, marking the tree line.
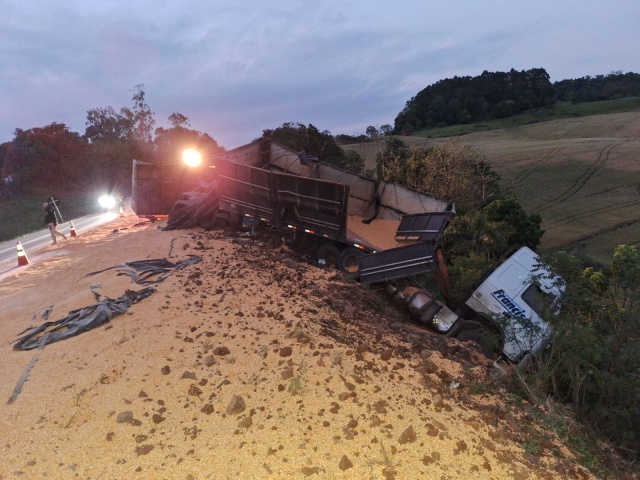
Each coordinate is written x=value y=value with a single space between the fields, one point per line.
x=598 y=88
x=463 y=100
x=56 y=160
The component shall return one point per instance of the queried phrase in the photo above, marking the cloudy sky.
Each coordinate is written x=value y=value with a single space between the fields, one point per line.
x=236 y=67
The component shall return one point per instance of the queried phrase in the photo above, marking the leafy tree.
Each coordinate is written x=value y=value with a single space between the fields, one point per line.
x=372 y=131
x=600 y=87
x=517 y=227
x=49 y=157
x=386 y=129
x=408 y=127
x=464 y=274
x=143 y=120
x=391 y=162
x=116 y=139
x=171 y=142
x=109 y=166
x=105 y=124
x=593 y=363
x=505 y=109
x=314 y=142
x=343 y=139
x=477 y=238
x=461 y=100
x=474 y=234
x=450 y=171
x=178 y=120
x=112 y=148
x=464 y=117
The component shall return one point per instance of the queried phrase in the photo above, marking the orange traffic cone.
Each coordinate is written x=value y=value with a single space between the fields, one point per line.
x=73 y=230
x=22 y=256
x=121 y=212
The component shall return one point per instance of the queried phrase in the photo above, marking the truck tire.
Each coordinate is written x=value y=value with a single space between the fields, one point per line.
x=348 y=262
x=328 y=255
x=221 y=220
x=274 y=240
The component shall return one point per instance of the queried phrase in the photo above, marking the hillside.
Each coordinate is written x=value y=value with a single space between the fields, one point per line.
x=251 y=364
x=582 y=175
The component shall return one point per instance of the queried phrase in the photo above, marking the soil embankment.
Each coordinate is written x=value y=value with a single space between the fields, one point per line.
x=250 y=364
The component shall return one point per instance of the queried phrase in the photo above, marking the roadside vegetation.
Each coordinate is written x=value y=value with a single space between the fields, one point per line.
x=593 y=363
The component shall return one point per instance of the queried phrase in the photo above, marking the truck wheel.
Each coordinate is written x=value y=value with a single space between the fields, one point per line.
x=235 y=220
x=328 y=255
x=348 y=262
x=221 y=220
x=274 y=240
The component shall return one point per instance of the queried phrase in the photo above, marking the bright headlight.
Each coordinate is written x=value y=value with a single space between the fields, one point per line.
x=107 y=201
x=191 y=157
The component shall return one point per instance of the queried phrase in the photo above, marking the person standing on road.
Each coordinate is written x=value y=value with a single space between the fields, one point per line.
x=51 y=221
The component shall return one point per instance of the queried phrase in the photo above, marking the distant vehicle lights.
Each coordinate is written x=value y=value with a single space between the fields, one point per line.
x=107 y=202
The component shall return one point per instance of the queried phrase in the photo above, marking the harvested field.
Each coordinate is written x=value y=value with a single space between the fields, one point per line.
x=582 y=175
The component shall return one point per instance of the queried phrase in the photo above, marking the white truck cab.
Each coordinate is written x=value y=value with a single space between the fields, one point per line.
x=513 y=297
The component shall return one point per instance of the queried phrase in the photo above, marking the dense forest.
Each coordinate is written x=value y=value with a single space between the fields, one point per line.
x=462 y=100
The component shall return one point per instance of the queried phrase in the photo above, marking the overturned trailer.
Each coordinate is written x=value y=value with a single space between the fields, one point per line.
x=375 y=231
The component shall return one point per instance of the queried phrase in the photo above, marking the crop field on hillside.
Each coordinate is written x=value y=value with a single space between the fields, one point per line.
x=582 y=175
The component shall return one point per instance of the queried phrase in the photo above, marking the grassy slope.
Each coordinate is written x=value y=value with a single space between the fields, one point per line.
x=581 y=174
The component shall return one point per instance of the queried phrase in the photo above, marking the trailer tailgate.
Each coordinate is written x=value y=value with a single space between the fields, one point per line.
x=401 y=262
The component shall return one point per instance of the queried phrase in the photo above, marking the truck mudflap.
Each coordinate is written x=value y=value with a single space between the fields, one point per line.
x=423 y=227
x=400 y=262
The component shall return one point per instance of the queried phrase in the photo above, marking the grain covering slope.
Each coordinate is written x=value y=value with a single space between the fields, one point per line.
x=250 y=364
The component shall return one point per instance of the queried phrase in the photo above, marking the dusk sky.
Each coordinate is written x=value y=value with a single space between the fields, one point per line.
x=237 y=67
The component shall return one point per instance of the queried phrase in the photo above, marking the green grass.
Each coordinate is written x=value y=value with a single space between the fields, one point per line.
x=599 y=249
x=559 y=111
x=20 y=216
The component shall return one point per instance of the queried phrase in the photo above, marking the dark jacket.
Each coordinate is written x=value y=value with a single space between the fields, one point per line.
x=50 y=217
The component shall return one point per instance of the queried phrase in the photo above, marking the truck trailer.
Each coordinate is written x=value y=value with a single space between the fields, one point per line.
x=374 y=231
x=377 y=232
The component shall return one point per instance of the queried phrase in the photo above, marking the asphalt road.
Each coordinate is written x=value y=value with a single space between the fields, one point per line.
x=36 y=241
